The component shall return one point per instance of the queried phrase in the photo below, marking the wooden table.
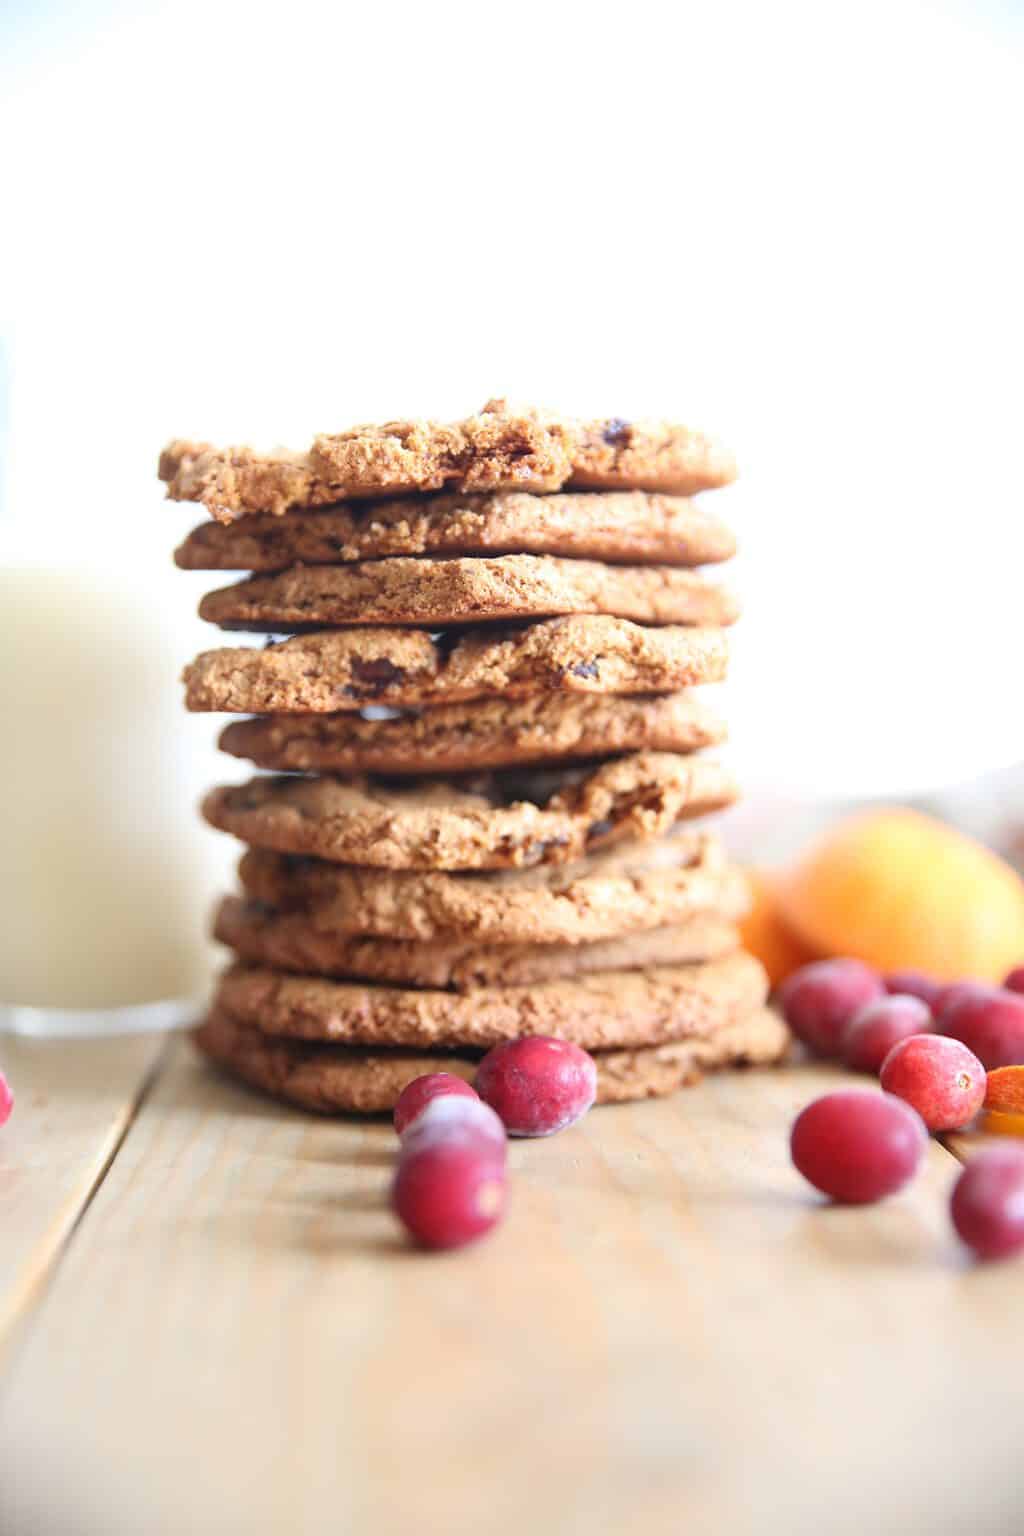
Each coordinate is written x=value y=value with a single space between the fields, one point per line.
x=211 y=1324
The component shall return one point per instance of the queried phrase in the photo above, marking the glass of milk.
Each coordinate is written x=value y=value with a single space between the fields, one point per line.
x=108 y=874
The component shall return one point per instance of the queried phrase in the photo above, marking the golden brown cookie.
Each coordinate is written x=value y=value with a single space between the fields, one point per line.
x=500 y=449
x=484 y=823
x=627 y=889
x=440 y=593
x=601 y=1011
x=289 y=941
x=337 y=1079
x=622 y=527
x=492 y=733
x=348 y=669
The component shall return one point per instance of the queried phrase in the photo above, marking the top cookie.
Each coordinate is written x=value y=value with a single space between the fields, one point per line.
x=499 y=449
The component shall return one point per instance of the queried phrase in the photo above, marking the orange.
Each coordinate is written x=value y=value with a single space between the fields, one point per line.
x=997 y=1123
x=904 y=891
x=764 y=933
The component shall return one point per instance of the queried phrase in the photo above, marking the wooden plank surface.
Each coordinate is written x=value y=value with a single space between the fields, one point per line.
x=985 y=1130
x=669 y=1334
x=73 y=1101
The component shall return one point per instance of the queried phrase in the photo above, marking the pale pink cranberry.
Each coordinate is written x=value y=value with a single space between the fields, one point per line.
x=913 y=984
x=422 y=1090
x=990 y=1022
x=455 y=1116
x=988 y=1202
x=940 y=1077
x=856 y=1145
x=1015 y=981
x=6 y=1100
x=820 y=999
x=952 y=994
x=872 y=1033
x=449 y=1192
x=538 y=1085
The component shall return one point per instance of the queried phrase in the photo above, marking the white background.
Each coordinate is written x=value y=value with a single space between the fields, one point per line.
x=798 y=225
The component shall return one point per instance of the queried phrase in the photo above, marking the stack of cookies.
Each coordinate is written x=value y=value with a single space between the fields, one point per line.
x=486 y=755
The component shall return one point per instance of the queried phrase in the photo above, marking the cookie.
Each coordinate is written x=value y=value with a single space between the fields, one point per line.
x=289 y=941
x=598 y=1011
x=629 y=527
x=491 y=733
x=334 y=1079
x=499 y=449
x=439 y=593
x=482 y=824
x=627 y=889
x=347 y=669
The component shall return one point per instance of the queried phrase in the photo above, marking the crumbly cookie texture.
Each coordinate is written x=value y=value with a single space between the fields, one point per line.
x=599 y=1012
x=467 y=591
x=501 y=448
x=623 y=527
x=289 y=941
x=336 y=1079
x=492 y=733
x=348 y=669
x=624 y=890
x=442 y=824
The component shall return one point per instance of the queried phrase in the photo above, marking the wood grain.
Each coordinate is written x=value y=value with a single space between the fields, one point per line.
x=73 y=1101
x=965 y=1144
x=669 y=1333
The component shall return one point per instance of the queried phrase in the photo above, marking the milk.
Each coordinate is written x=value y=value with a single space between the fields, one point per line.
x=107 y=873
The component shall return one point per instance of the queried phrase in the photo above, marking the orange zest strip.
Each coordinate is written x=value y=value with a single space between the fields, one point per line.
x=1005 y=1090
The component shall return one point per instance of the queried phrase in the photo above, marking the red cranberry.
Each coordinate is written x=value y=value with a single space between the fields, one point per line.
x=940 y=1077
x=455 y=1116
x=6 y=1100
x=872 y=1033
x=415 y=1096
x=538 y=1085
x=1015 y=981
x=857 y=1145
x=990 y=1023
x=448 y=1192
x=820 y=999
x=913 y=984
x=988 y=1202
x=952 y=994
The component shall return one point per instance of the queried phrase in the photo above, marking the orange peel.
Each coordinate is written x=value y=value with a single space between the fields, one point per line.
x=1004 y=1091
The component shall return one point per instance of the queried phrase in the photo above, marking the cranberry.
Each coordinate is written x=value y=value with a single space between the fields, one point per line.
x=448 y=1192
x=6 y=1100
x=913 y=984
x=455 y=1116
x=872 y=1033
x=538 y=1084
x=950 y=995
x=990 y=1022
x=415 y=1096
x=940 y=1077
x=1015 y=981
x=857 y=1145
x=988 y=1202
x=820 y=999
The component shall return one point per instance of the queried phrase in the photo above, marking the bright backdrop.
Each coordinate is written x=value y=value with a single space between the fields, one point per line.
x=797 y=224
